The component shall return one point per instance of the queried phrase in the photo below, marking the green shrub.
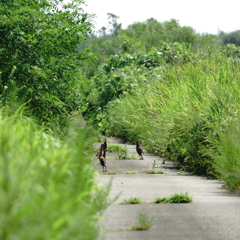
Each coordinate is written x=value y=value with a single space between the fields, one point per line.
x=47 y=187
x=181 y=112
x=226 y=154
x=116 y=148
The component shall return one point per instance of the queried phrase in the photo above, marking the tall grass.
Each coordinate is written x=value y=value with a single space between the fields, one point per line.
x=183 y=113
x=47 y=187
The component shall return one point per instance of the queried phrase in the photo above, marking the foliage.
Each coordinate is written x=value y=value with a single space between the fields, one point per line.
x=39 y=58
x=160 y=171
x=175 y=198
x=130 y=172
x=121 y=151
x=47 y=187
x=182 y=112
x=109 y=173
x=226 y=155
x=115 y=148
x=144 y=222
x=231 y=38
x=125 y=73
x=132 y=200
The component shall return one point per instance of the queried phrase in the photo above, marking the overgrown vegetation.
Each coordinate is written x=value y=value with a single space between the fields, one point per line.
x=47 y=186
x=174 y=89
x=40 y=61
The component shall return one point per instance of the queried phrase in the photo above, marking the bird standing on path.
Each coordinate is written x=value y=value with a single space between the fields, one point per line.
x=105 y=147
x=139 y=150
x=102 y=158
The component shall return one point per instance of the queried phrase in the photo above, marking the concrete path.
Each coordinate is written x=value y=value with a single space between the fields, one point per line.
x=213 y=214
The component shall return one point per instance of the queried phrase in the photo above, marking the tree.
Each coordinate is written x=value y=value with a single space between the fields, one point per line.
x=39 y=60
x=115 y=26
x=231 y=38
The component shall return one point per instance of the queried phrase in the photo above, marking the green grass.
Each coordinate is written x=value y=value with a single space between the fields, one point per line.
x=130 y=172
x=132 y=200
x=190 y=116
x=175 y=198
x=144 y=222
x=122 y=152
x=109 y=173
x=160 y=171
x=116 y=148
x=47 y=186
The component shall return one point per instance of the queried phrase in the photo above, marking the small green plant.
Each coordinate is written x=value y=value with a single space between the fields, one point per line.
x=115 y=148
x=130 y=172
x=175 y=198
x=115 y=163
x=160 y=171
x=122 y=155
x=144 y=222
x=154 y=164
x=134 y=157
x=121 y=151
x=109 y=173
x=132 y=200
x=180 y=172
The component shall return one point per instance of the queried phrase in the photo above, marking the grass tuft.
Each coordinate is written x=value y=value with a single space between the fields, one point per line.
x=132 y=200
x=175 y=198
x=130 y=172
x=109 y=173
x=144 y=222
x=160 y=171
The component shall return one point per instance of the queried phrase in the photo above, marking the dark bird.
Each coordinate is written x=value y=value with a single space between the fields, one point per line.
x=102 y=158
x=105 y=147
x=139 y=150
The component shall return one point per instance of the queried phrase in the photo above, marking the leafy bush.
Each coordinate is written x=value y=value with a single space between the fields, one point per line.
x=39 y=57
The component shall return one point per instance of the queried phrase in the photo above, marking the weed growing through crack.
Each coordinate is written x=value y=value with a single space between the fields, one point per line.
x=109 y=173
x=134 y=157
x=132 y=200
x=144 y=222
x=115 y=163
x=154 y=164
x=175 y=198
x=160 y=171
x=130 y=172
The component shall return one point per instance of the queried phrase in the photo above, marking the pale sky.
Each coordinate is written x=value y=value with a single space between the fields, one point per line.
x=205 y=16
